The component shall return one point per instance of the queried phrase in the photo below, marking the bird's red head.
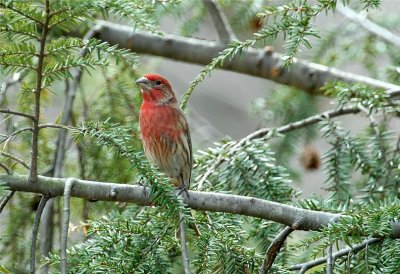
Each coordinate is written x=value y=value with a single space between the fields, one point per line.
x=156 y=89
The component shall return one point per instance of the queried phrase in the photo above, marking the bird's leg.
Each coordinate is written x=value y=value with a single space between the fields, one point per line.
x=183 y=189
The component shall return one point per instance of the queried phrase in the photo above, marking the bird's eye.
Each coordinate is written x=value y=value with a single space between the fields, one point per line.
x=158 y=82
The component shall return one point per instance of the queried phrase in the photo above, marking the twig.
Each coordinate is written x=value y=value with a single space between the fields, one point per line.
x=39 y=74
x=369 y=25
x=6 y=199
x=185 y=256
x=354 y=249
x=35 y=231
x=13 y=134
x=220 y=21
x=275 y=247
x=6 y=168
x=7 y=138
x=283 y=129
x=15 y=158
x=329 y=260
x=65 y=225
x=18 y=113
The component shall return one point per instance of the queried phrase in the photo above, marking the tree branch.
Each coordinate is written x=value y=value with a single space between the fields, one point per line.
x=354 y=249
x=39 y=75
x=35 y=230
x=307 y=76
x=15 y=158
x=283 y=129
x=65 y=225
x=329 y=260
x=6 y=199
x=185 y=256
x=370 y=26
x=205 y=201
x=17 y=113
x=220 y=21
x=276 y=246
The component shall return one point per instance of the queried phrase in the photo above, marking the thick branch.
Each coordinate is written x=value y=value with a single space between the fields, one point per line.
x=257 y=62
x=206 y=201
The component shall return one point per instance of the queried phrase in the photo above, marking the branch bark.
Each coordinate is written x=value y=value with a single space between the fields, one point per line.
x=307 y=76
x=205 y=201
x=65 y=224
x=275 y=247
x=221 y=23
x=370 y=26
x=39 y=69
x=35 y=230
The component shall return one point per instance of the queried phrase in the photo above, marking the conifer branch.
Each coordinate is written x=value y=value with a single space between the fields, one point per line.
x=35 y=230
x=205 y=201
x=39 y=74
x=344 y=252
x=283 y=129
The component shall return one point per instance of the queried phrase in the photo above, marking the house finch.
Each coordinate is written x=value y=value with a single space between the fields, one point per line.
x=165 y=131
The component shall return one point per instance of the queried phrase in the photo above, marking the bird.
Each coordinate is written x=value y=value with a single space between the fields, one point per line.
x=165 y=131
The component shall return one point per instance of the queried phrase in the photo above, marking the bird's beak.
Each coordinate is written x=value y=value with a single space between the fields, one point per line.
x=143 y=82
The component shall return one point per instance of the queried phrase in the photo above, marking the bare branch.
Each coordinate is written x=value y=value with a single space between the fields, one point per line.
x=354 y=249
x=370 y=26
x=185 y=256
x=307 y=76
x=35 y=230
x=17 y=113
x=220 y=21
x=65 y=225
x=6 y=199
x=329 y=260
x=276 y=246
x=205 y=201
